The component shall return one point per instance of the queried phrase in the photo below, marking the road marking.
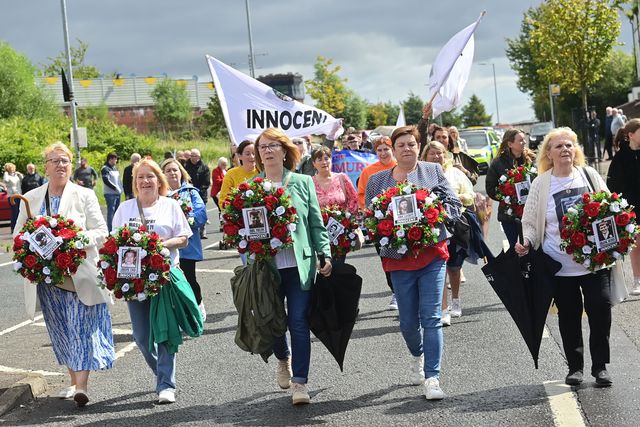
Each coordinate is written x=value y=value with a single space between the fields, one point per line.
x=20 y=325
x=4 y=264
x=120 y=353
x=9 y=370
x=564 y=405
x=212 y=210
x=117 y=331
x=215 y=270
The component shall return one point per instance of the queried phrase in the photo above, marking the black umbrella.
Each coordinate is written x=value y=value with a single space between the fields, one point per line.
x=524 y=285
x=334 y=308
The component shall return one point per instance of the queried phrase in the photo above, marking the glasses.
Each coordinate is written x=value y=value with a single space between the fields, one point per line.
x=270 y=147
x=60 y=162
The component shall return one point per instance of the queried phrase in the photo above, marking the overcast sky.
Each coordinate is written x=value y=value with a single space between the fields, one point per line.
x=385 y=47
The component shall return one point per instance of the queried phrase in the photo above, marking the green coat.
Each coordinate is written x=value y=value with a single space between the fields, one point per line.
x=311 y=235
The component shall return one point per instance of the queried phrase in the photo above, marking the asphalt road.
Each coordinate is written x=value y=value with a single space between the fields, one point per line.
x=487 y=372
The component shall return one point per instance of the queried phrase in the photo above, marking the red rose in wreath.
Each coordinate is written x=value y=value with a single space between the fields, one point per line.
x=110 y=247
x=279 y=231
x=243 y=186
x=30 y=261
x=592 y=209
x=385 y=227
x=230 y=229
x=579 y=239
x=156 y=261
x=110 y=276
x=63 y=260
x=67 y=233
x=623 y=219
x=432 y=215
x=126 y=234
x=421 y=195
x=415 y=233
x=256 y=247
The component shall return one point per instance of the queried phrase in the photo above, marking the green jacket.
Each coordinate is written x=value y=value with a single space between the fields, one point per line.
x=311 y=235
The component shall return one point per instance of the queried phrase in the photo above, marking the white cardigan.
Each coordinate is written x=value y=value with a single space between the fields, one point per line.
x=534 y=223
x=81 y=205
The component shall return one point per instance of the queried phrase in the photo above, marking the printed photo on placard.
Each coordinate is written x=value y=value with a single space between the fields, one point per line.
x=43 y=242
x=129 y=265
x=256 y=223
x=522 y=191
x=334 y=229
x=605 y=233
x=405 y=209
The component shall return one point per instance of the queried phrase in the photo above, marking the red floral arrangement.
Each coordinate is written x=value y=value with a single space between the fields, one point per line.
x=429 y=213
x=347 y=240
x=185 y=205
x=280 y=218
x=507 y=191
x=154 y=263
x=613 y=215
x=62 y=262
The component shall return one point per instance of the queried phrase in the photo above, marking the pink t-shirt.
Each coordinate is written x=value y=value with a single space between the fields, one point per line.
x=340 y=192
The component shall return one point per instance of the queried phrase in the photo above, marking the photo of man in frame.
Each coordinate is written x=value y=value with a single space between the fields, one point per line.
x=605 y=233
x=43 y=242
x=129 y=266
x=256 y=223
x=405 y=209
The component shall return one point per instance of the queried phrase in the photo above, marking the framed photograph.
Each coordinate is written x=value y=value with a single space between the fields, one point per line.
x=334 y=229
x=43 y=242
x=605 y=233
x=256 y=223
x=405 y=209
x=129 y=265
x=522 y=191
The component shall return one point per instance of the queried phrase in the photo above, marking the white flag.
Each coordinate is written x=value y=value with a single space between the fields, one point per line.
x=250 y=106
x=401 y=121
x=450 y=70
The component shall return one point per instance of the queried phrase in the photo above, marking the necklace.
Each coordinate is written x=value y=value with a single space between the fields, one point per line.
x=567 y=188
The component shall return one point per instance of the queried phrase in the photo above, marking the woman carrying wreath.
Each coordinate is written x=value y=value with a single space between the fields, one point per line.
x=163 y=216
x=418 y=281
x=276 y=157
x=179 y=183
x=562 y=180
x=76 y=313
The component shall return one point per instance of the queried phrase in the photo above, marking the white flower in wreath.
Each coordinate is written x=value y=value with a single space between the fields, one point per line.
x=17 y=265
x=242 y=232
x=403 y=249
x=533 y=170
x=249 y=193
x=436 y=232
x=114 y=232
x=374 y=200
x=623 y=203
x=153 y=277
x=280 y=210
x=59 y=239
x=165 y=252
x=503 y=178
x=275 y=243
x=384 y=241
x=586 y=263
x=353 y=243
x=104 y=265
x=614 y=207
x=572 y=211
x=242 y=244
x=47 y=280
x=125 y=287
x=407 y=190
x=616 y=255
x=46 y=270
x=419 y=215
x=141 y=296
x=137 y=237
x=509 y=211
x=352 y=236
x=49 y=257
x=378 y=214
x=400 y=233
x=507 y=199
x=591 y=238
x=26 y=235
x=586 y=249
x=630 y=228
x=267 y=186
x=347 y=214
x=143 y=253
x=79 y=245
x=291 y=227
x=428 y=200
x=53 y=222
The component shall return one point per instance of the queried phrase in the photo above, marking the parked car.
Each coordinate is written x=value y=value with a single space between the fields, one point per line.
x=482 y=144
x=5 y=208
x=538 y=132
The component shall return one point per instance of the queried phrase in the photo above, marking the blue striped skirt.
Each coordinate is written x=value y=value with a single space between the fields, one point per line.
x=81 y=335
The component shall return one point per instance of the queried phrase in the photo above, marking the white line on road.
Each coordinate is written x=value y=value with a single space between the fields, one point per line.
x=564 y=405
x=9 y=370
x=20 y=325
x=125 y=350
x=4 y=264
x=215 y=270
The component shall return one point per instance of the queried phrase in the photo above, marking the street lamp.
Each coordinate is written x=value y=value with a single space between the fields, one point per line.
x=495 y=87
x=252 y=58
x=72 y=102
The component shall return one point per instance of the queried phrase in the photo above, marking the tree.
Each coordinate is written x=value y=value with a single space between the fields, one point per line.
x=19 y=94
x=451 y=118
x=392 y=111
x=474 y=113
x=80 y=70
x=412 y=109
x=376 y=115
x=172 y=105
x=327 y=88
x=355 y=111
x=211 y=122
x=572 y=40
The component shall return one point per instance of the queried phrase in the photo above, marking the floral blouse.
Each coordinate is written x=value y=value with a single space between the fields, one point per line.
x=341 y=192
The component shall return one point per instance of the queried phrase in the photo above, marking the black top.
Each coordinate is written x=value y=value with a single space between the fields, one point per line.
x=624 y=175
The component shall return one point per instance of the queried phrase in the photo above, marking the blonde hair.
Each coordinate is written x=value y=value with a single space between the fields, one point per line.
x=292 y=155
x=57 y=146
x=183 y=172
x=545 y=163
x=432 y=144
x=8 y=166
x=163 y=190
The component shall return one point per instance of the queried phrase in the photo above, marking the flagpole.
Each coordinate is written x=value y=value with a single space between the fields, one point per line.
x=252 y=58
x=72 y=103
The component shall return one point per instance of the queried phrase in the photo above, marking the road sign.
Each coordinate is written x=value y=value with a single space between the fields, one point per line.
x=554 y=89
x=82 y=138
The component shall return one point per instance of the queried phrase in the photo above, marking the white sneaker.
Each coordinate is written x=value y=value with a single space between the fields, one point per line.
x=300 y=394
x=417 y=370
x=284 y=374
x=446 y=318
x=203 y=312
x=67 y=393
x=636 y=289
x=167 y=396
x=462 y=278
x=432 y=390
x=393 y=304
x=455 y=309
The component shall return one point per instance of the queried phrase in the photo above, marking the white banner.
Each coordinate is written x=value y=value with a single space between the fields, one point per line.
x=450 y=70
x=250 y=106
x=401 y=120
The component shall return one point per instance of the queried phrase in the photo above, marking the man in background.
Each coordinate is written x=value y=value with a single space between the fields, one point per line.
x=127 y=176
x=200 y=179
x=31 y=179
x=85 y=175
x=112 y=186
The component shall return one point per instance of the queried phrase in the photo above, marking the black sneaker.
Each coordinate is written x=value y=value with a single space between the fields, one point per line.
x=574 y=378
x=603 y=379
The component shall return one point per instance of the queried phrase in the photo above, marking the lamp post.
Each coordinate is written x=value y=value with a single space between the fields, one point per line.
x=495 y=87
x=252 y=58
x=72 y=102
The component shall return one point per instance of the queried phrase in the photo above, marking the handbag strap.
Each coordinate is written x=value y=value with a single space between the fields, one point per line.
x=47 y=202
x=586 y=175
x=142 y=218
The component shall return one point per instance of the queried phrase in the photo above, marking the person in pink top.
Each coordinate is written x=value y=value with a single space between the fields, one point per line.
x=332 y=188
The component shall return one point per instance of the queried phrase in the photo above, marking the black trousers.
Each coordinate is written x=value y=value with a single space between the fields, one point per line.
x=608 y=146
x=188 y=266
x=596 y=290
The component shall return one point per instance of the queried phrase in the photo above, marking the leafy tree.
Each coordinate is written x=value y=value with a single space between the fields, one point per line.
x=376 y=115
x=327 y=88
x=172 y=105
x=572 y=40
x=451 y=118
x=355 y=111
x=412 y=109
x=80 y=69
x=391 y=110
x=474 y=113
x=211 y=122
x=19 y=94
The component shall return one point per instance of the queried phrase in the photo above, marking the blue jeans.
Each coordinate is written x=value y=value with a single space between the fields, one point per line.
x=511 y=231
x=419 y=296
x=161 y=362
x=113 y=201
x=298 y=302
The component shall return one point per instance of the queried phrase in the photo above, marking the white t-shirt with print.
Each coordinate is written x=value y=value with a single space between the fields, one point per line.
x=165 y=218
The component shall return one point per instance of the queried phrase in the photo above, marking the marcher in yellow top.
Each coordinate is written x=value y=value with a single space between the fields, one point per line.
x=247 y=169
